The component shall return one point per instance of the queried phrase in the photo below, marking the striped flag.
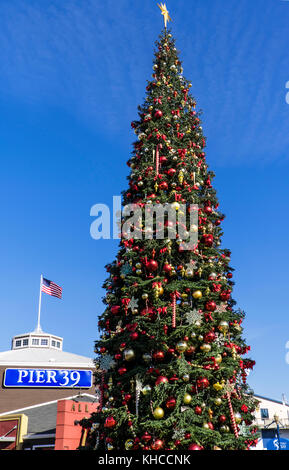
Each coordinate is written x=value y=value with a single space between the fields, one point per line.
x=51 y=288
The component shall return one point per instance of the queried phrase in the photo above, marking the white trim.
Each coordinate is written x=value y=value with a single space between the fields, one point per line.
x=45 y=404
x=43 y=446
x=38 y=436
x=49 y=364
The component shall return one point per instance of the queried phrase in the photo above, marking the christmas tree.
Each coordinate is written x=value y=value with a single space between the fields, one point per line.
x=171 y=367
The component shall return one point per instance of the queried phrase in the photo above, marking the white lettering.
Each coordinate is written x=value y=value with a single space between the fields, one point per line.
x=31 y=372
x=100 y=228
x=39 y=376
x=51 y=374
x=21 y=374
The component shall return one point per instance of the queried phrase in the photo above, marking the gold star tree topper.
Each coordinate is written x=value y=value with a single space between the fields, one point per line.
x=165 y=13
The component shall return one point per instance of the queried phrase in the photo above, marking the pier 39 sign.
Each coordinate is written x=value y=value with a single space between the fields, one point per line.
x=59 y=378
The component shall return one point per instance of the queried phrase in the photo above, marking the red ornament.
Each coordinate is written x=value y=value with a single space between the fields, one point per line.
x=115 y=309
x=110 y=422
x=161 y=380
x=202 y=383
x=134 y=335
x=209 y=337
x=171 y=172
x=159 y=356
x=208 y=210
x=190 y=350
x=198 y=410
x=171 y=403
x=211 y=306
x=225 y=295
x=164 y=185
x=158 y=114
x=222 y=419
x=208 y=239
x=157 y=445
x=195 y=447
x=146 y=437
x=152 y=265
x=167 y=268
x=122 y=370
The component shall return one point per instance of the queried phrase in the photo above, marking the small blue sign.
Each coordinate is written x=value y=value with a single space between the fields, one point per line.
x=273 y=444
x=59 y=378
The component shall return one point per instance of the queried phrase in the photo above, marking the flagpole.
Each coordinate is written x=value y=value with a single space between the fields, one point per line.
x=39 y=305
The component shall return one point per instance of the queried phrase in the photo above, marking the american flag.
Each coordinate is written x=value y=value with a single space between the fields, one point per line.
x=51 y=288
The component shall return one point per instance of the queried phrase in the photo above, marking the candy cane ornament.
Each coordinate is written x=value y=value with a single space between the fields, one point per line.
x=233 y=421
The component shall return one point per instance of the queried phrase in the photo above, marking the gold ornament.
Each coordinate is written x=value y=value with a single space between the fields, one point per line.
x=129 y=444
x=218 y=401
x=175 y=205
x=197 y=294
x=218 y=358
x=146 y=357
x=128 y=354
x=181 y=177
x=238 y=418
x=158 y=413
x=189 y=272
x=181 y=346
x=145 y=296
x=146 y=390
x=206 y=347
x=217 y=386
x=161 y=290
x=223 y=326
x=187 y=399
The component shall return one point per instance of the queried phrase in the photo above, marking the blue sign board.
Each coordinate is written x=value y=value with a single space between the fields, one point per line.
x=273 y=444
x=59 y=378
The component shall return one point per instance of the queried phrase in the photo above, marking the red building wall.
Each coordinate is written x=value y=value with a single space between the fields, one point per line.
x=68 y=435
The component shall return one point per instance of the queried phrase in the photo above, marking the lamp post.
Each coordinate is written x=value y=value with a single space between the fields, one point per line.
x=276 y=419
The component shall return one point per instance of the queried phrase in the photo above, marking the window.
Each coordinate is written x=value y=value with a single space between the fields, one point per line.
x=25 y=342
x=58 y=344
x=53 y=343
x=18 y=343
x=44 y=342
x=264 y=413
x=35 y=341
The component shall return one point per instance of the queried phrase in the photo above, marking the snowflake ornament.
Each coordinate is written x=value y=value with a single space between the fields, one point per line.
x=133 y=303
x=106 y=362
x=126 y=269
x=192 y=317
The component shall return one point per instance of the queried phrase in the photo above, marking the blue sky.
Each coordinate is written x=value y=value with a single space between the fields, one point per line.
x=71 y=77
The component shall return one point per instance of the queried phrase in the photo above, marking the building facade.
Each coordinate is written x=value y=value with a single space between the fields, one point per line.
x=43 y=391
x=272 y=418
